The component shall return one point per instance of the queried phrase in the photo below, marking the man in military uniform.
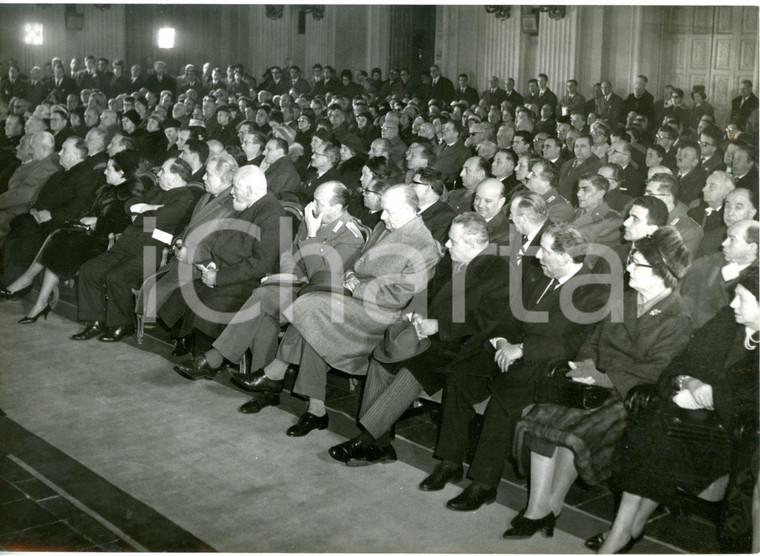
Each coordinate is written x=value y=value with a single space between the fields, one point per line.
x=543 y=180
x=328 y=241
x=666 y=188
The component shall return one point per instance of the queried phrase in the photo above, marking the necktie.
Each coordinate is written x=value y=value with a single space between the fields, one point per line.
x=552 y=282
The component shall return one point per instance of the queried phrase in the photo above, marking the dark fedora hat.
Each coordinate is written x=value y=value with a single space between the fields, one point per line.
x=325 y=281
x=400 y=343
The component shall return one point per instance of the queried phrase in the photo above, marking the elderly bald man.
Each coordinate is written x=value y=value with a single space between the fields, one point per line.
x=488 y=202
x=340 y=327
x=243 y=249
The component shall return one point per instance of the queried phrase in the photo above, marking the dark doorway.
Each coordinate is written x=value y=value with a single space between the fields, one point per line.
x=412 y=38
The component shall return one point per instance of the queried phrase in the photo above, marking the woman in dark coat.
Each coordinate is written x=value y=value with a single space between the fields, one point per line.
x=719 y=372
x=567 y=442
x=71 y=246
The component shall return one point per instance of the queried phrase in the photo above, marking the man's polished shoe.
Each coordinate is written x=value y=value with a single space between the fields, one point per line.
x=307 y=423
x=373 y=454
x=346 y=450
x=256 y=381
x=196 y=368
x=471 y=498
x=183 y=346
x=442 y=474
x=90 y=331
x=117 y=333
x=259 y=402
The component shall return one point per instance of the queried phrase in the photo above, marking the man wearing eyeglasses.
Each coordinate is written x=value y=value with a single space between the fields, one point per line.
x=633 y=178
x=712 y=156
x=691 y=175
x=666 y=188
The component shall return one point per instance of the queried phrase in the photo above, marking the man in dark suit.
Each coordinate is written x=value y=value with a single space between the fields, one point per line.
x=13 y=86
x=573 y=101
x=280 y=172
x=66 y=195
x=62 y=85
x=708 y=213
x=633 y=178
x=709 y=143
x=104 y=75
x=88 y=77
x=238 y=258
x=437 y=215
x=611 y=105
x=494 y=95
x=743 y=105
x=190 y=246
x=38 y=88
x=453 y=155
x=440 y=87
x=666 y=137
x=514 y=98
x=640 y=100
x=106 y=301
x=465 y=93
x=691 y=175
x=665 y=187
x=532 y=96
x=160 y=81
x=488 y=202
x=545 y=95
x=393 y=383
x=744 y=167
x=585 y=162
x=298 y=83
x=119 y=83
x=136 y=80
x=509 y=367
x=324 y=160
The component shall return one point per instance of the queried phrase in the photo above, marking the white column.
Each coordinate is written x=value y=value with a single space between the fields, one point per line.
x=502 y=47
x=378 y=37
x=320 y=40
x=557 y=48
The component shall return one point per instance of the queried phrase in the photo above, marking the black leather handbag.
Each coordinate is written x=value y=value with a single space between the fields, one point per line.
x=554 y=387
x=693 y=425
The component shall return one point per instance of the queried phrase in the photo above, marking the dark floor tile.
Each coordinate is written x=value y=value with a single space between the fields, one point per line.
x=60 y=507
x=90 y=528
x=686 y=533
x=9 y=493
x=424 y=435
x=23 y=514
x=602 y=506
x=36 y=489
x=347 y=404
x=12 y=472
x=48 y=538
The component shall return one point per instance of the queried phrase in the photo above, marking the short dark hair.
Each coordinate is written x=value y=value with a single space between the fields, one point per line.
x=657 y=211
x=666 y=253
x=430 y=177
x=568 y=240
x=181 y=168
x=198 y=147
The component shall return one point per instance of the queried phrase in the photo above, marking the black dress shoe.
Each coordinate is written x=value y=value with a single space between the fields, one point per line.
x=90 y=331
x=256 y=381
x=442 y=474
x=596 y=542
x=471 y=498
x=197 y=368
x=373 y=454
x=7 y=294
x=307 y=423
x=347 y=450
x=259 y=402
x=117 y=333
x=183 y=346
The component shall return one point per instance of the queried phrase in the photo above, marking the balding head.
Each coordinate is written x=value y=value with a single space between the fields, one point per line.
x=474 y=171
x=42 y=144
x=741 y=243
x=399 y=204
x=658 y=170
x=489 y=198
x=740 y=204
x=248 y=186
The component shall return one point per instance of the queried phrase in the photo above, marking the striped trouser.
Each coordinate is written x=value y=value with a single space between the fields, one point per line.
x=386 y=398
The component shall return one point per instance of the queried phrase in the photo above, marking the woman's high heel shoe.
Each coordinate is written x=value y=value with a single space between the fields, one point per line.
x=43 y=313
x=596 y=542
x=7 y=294
x=524 y=528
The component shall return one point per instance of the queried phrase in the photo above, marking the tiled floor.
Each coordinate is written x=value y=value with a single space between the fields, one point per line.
x=35 y=517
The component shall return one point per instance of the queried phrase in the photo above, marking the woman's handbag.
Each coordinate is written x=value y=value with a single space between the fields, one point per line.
x=554 y=387
x=693 y=425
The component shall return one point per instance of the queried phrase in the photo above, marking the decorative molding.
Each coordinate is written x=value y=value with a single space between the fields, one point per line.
x=555 y=12
x=501 y=12
x=274 y=11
